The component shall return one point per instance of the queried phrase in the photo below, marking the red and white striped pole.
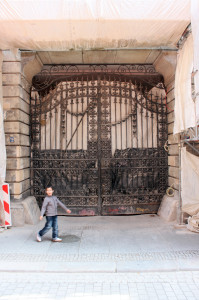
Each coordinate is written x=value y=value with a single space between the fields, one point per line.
x=6 y=204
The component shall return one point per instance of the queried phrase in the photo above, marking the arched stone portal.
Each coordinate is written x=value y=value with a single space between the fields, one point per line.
x=17 y=73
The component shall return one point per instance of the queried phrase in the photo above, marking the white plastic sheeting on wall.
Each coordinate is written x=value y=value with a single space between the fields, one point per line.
x=184 y=104
x=195 y=32
x=2 y=149
x=2 y=135
x=189 y=184
x=87 y=24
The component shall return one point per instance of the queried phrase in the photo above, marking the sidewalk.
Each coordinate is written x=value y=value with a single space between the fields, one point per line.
x=100 y=286
x=112 y=244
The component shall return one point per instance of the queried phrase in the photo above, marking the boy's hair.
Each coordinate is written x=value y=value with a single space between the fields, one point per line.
x=48 y=186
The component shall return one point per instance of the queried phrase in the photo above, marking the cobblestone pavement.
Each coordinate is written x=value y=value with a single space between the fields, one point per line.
x=101 y=244
x=100 y=286
x=99 y=257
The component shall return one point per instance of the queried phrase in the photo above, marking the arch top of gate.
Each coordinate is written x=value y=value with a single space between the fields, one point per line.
x=52 y=74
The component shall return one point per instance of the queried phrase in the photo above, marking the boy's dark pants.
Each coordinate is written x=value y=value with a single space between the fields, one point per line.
x=50 y=222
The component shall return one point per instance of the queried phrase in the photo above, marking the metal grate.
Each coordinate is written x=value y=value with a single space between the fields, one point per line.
x=98 y=137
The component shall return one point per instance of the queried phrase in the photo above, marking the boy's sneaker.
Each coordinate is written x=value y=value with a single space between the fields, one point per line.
x=57 y=239
x=38 y=237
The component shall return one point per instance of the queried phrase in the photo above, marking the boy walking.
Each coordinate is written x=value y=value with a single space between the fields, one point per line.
x=49 y=207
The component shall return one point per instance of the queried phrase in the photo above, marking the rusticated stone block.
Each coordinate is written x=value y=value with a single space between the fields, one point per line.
x=170 y=117
x=25 y=95
x=11 y=67
x=17 y=175
x=21 y=196
x=18 y=163
x=16 y=91
x=18 y=188
x=17 y=139
x=170 y=86
x=16 y=102
x=173 y=138
x=11 y=91
x=14 y=79
x=170 y=95
x=173 y=172
x=173 y=149
x=16 y=127
x=170 y=105
x=17 y=115
x=170 y=128
x=173 y=161
x=17 y=151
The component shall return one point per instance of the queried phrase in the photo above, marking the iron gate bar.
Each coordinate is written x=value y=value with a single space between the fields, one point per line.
x=93 y=175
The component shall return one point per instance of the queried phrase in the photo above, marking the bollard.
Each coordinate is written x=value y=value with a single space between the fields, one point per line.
x=6 y=204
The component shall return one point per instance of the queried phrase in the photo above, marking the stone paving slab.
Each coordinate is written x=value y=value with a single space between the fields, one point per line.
x=139 y=277
x=123 y=286
x=148 y=266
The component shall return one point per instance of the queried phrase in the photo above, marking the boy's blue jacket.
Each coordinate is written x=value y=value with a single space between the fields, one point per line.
x=49 y=206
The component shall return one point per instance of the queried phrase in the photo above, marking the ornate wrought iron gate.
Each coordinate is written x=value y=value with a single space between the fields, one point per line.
x=97 y=136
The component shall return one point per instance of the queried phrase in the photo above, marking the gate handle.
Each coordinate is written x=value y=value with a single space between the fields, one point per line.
x=166 y=146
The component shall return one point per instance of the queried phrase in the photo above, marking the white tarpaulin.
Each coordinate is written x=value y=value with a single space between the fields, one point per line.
x=190 y=179
x=2 y=148
x=195 y=31
x=184 y=104
x=2 y=158
x=2 y=135
x=87 y=24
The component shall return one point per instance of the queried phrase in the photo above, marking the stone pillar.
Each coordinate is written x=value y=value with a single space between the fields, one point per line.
x=16 y=104
x=17 y=72
x=166 y=65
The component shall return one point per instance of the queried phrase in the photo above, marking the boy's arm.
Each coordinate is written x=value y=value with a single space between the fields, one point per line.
x=43 y=209
x=63 y=206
